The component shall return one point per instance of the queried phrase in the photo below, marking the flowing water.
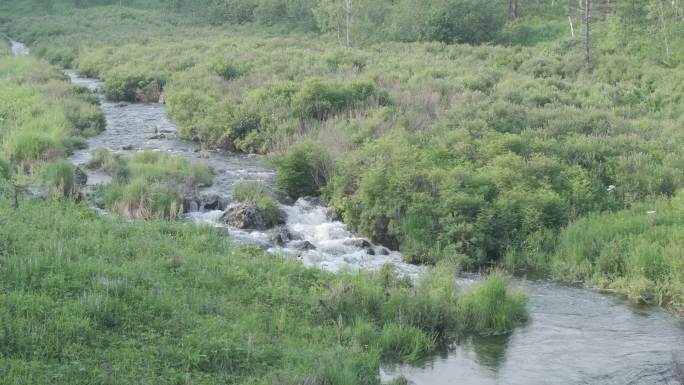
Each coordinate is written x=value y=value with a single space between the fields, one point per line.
x=132 y=127
x=574 y=336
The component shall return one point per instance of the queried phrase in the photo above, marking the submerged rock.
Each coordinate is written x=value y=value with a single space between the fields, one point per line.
x=281 y=235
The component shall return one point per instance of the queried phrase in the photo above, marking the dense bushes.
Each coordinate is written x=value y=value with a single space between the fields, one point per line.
x=95 y=290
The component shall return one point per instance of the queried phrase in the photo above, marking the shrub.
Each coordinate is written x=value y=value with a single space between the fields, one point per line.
x=405 y=342
x=303 y=170
x=228 y=69
x=5 y=169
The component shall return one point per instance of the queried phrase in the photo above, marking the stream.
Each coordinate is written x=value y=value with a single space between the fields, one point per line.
x=574 y=335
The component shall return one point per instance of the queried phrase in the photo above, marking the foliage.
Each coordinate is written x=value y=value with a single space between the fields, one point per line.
x=303 y=170
x=59 y=180
x=149 y=185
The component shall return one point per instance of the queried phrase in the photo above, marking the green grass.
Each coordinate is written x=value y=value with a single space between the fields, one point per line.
x=58 y=179
x=636 y=252
x=492 y=307
x=165 y=302
x=43 y=115
x=4 y=46
x=149 y=185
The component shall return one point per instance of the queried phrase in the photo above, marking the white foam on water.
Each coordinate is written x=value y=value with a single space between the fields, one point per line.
x=336 y=248
x=19 y=49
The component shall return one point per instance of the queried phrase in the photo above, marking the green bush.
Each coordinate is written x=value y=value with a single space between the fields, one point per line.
x=303 y=170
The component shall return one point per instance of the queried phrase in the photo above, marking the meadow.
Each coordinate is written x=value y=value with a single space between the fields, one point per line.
x=141 y=297
x=485 y=153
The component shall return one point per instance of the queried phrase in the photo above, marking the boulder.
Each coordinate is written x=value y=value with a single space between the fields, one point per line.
x=245 y=216
x=81 y=178
x=304 y=246
x=333 y=215
x=359 y=243
x=212 y=202
x=127 y=147
x=383 y=251
x=281 y=235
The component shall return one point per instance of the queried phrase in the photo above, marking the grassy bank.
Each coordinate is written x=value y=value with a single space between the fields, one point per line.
x=636 y=252
x=90 y=300
x=43 y=118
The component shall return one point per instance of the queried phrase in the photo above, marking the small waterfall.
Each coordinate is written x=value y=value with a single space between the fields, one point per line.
x=19 y=49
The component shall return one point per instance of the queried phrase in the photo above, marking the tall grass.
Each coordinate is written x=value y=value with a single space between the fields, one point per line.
x=42 y=112
x=637 y=252
x=491 y=307
x=149 y=185
x=167 y=302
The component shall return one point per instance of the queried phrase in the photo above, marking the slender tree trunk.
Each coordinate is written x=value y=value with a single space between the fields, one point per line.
x=572 y=28
x=587 y=32
x=663 y=28
x=348 y=5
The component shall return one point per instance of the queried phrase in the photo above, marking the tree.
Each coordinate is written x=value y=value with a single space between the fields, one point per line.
x=337 y=16
x=467 y=21
x=586 y=21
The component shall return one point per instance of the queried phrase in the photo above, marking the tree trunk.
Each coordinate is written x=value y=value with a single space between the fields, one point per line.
x=348 y=6
x=587 y=33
